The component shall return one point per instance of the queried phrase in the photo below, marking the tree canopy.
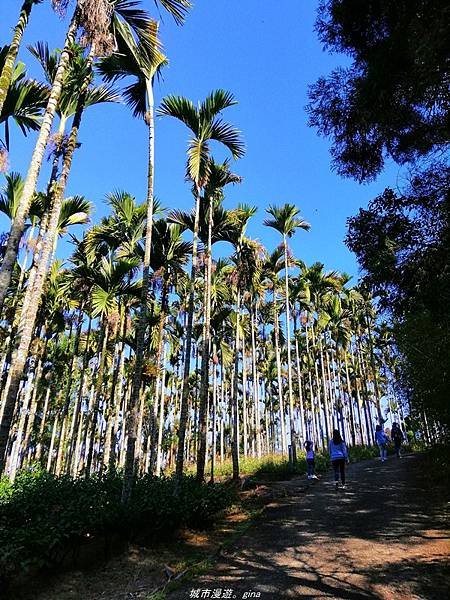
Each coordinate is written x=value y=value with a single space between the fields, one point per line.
x=392 y=100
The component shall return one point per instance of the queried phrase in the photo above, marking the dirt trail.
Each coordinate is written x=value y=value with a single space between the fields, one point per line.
x=386 y=537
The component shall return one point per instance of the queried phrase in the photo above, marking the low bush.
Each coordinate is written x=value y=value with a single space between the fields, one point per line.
x=45 y=519
x=437 y=465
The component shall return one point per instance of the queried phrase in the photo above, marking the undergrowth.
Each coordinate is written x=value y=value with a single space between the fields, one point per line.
x=46 y=520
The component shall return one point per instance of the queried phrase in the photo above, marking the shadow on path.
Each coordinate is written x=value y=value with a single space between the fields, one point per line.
x=383 y=537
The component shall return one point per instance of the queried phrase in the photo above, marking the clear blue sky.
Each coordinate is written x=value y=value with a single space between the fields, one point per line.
x=266 y=53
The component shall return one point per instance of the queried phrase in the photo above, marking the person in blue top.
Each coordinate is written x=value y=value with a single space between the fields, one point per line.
x=381 y=439
x=309 y=447
x=338 y=456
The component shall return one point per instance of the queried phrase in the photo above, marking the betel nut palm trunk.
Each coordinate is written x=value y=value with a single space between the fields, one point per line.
x=204 y=386
x=279 y=376
x=289 y=358
x=133 y=408
x=18 y=225
x=34 y=293
x=235 y=390
x=188 y=345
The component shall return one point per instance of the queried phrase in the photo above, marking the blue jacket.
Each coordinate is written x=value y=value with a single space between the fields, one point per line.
x=381 y=438
x=337 y=450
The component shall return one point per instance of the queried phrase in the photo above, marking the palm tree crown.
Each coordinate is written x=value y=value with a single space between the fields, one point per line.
x=286 y=219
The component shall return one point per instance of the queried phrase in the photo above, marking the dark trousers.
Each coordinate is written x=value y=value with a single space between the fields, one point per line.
x=310 y=465
x=339 y=466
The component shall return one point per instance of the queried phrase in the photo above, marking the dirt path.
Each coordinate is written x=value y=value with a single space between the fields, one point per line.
x=384 y=537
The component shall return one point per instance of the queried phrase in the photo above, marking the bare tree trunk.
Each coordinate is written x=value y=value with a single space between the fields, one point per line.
x=289 y=358
x=132 y=415
x=103 y=343
x=42 y=425
x=188 y=346
x=18 y=225
x=234 y=402
x=279 y=376
x=206 y=351
x=255 y=383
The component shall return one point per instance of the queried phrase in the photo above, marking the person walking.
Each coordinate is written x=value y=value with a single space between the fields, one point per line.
x=382 y=440
x=397 y=438
x=338 y=456
x=310 y=462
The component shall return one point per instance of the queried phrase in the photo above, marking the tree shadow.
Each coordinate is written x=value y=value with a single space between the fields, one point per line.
x=300 y=546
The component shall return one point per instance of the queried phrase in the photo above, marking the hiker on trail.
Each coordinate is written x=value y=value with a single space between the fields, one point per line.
x=339 y=456
x=382 y=440
x=397 y=438
x=309 y=447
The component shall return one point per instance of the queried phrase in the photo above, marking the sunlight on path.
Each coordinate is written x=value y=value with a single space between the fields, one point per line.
x=384 y=537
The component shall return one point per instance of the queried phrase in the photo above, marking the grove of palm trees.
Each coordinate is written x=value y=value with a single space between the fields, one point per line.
x=153 y=355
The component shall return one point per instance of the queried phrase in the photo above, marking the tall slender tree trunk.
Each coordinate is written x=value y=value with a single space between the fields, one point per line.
x=289 y=358
x=299 y=379
x=188 y=346
x=39 y=446
x=314 y=433
x=234 y=402
x=33 y=408
x=374 y=372
x=65 y=412
x=132 y=417
x=214 y=421
x=76 y=416
x=255 y=381
x=350 y=400
x=34 y=293
x=279 y=375
x=103 y=344
x=206 y=351
x=18 y=225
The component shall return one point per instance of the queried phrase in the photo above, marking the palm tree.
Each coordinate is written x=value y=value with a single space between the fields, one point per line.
x=286 y=220
x=6 y=73
x=18 y=224
x=120 y=233
x=112 y=280
x=142 y=60
x=24 y=102
x=206 y=125
x=169 y=254
x=76 y=211
x=34 y=291
x=273 y=265
x=99 y=21
x=244 y=257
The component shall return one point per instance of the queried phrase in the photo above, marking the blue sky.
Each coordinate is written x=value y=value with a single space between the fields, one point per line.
x=266 y=53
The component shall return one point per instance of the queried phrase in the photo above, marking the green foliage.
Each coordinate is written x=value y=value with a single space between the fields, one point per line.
x=357 y=453
x=371 y=111
x=44 y=519
x=437 y=465
x=403 y=244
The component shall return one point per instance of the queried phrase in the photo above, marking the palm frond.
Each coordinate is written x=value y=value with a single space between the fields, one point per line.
x=74 y=211
x=229 y=136
x=102 y=94
x=178 y=9
x=182 y=109
x=213 y=104
x=197 y=168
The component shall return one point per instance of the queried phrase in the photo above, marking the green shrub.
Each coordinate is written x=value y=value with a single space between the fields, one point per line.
x=44 y=519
